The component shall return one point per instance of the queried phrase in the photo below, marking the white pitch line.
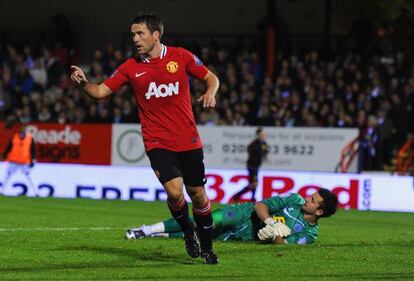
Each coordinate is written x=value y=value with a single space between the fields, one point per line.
x=59 y=229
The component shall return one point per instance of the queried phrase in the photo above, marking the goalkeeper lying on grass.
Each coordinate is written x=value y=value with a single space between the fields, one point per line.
x=287 y=219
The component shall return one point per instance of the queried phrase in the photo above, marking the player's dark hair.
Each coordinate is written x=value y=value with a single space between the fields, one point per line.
x=329 y=203
x=153 y=22
x=259 y=130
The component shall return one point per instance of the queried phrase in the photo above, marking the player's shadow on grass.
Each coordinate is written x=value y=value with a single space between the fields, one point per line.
x=149 y=258
x=146 y=255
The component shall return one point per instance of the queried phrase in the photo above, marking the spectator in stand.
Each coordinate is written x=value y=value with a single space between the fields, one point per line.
x=22 y=82
x=92 y=115
x=39 y=74
x=116 y=115
x=44 y=115
x=104 y=115
x=128 y=114
x=52 y=68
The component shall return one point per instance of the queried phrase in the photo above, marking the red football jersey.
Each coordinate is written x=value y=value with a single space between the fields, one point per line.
x=162 y=92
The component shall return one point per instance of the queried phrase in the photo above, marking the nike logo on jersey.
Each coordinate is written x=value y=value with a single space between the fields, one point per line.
x=139 y=74
x=162 y=90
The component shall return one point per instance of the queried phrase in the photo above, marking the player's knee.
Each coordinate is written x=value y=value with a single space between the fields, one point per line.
x=195 y=191
x=174 y=190
x=175 y=196
x=200 y=202
x=192 y=192
x=198 y=198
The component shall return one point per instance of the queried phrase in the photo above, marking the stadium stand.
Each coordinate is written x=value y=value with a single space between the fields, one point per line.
x=310 y=89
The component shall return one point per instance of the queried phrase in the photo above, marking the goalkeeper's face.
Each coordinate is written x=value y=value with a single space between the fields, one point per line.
x=312 y=204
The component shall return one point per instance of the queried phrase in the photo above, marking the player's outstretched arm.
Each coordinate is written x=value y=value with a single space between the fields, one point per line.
x=96 y=91
x=209 y=97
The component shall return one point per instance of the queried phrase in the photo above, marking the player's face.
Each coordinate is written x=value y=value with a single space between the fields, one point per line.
x=262 y=136
x=143 y=39
x=312 y=204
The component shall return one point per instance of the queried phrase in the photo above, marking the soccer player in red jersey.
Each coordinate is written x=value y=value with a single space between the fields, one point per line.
x=158 y=74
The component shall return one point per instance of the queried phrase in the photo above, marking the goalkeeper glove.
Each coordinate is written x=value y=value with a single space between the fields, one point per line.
x=269 y=221
x=271 y=231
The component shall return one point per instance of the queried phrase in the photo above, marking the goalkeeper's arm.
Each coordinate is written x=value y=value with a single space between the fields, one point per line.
x=262 y=212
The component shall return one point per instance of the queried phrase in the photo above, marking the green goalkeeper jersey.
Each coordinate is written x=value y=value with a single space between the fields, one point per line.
x=240 y=222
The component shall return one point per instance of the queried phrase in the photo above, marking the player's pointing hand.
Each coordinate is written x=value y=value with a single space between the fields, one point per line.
x=77 y=75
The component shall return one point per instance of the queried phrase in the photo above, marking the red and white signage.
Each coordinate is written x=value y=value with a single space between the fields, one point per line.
x=75 y=143
x=223 y=184
x=359 y=191
x=83 y=143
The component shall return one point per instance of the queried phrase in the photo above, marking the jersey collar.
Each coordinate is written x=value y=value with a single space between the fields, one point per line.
x=147 y=59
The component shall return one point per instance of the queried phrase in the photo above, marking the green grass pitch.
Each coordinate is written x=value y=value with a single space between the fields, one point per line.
x=61 y=239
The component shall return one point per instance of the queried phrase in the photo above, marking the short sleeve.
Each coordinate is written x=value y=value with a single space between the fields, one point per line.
x=193 y=65
x=277 y=203
x=118 y=79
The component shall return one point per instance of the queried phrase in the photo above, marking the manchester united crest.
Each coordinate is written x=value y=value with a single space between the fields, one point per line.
x=172 y=67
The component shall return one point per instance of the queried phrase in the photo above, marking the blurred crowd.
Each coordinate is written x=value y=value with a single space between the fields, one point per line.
x=373 y=93
x=35 y=87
